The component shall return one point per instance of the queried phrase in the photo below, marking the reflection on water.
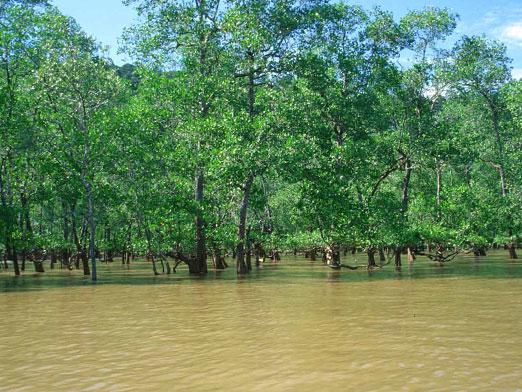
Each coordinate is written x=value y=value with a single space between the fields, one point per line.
x=296 y=326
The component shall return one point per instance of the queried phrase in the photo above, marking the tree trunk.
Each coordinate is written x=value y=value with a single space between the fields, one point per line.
x=512 y=251
x=12 y=255
x=411 y=255
x=218 y=260
x=512 y=247
x=248 y=256
x=406 y=186
x=38 y=265
x=53 y=258
x=7 y=218
x=397 y=253
x=92 y=231
x=199 y=264
x=15 y=261
x=503 y=183
x=371 y=257
x=257 y=253
x=313 y=254
x=382 y=257
x=81 y=254
x=332 y=255
x=439 y=189
x=241 y=266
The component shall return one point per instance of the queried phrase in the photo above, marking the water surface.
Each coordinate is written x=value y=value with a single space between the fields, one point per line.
x=294 y=326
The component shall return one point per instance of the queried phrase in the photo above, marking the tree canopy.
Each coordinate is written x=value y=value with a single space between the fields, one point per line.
x=254 y=127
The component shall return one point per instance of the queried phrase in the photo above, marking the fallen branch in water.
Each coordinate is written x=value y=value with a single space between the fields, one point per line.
x=339 y=266
x=439 y=257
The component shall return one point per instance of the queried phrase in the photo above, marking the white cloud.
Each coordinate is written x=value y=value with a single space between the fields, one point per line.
x=516 y=73
x=513 y=33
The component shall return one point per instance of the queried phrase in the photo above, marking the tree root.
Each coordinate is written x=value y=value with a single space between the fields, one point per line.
x=439 y=257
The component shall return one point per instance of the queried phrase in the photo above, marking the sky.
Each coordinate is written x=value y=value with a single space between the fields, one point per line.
x=500 y=19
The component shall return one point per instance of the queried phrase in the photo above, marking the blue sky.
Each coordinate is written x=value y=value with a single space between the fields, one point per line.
x=501 y=19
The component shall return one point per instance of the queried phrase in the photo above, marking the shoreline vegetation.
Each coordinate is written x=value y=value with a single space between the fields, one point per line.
x=290 y=268
x=251 y=129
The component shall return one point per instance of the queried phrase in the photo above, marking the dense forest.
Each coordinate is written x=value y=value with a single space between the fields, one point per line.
x=253 y=128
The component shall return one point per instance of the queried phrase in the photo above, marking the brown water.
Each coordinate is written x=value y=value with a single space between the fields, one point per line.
x=290 y=327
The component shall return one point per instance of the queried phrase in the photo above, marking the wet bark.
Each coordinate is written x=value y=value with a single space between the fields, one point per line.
x=241 y=266
x=411 y=255
x=92 y=231
x=199 y=264
x=38 y=264
x=7 y=217
x=332 y=255
x=125 y=257
x=218 y=260
x=13 y=256
x=25 y=226
x=382 y=257
x=479 y=250
x=81 y=254
x=248 y=256
x=53 y=259
x=397 y=253
x=512 y=251
x=257 y=253
x=371 y=257
x=512 y=247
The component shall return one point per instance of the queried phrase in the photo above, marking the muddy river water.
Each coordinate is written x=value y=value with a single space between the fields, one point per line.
x=292 y=326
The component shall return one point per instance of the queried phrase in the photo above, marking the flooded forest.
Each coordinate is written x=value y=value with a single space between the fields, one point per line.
x=272 y=194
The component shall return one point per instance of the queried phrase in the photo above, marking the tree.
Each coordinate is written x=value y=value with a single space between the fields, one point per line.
x=186 y=37
x=481 y=68
x=77 y=88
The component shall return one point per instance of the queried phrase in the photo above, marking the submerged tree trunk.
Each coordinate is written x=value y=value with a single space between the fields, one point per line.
x=199 y=264
x=125 y=257
x=248 y=256
x=512 y=247
x=38 y=265
x=7 y=218
x=397 y=254
x=371 y=257
x=218 y=260
x=81 y=254
x=382 y=257
x=259 y=254
x=332 y=256
x=53 y=259
x=12 y=255
x=241 y=266
x=92 y=230
x=512 y=251
x=411 y=255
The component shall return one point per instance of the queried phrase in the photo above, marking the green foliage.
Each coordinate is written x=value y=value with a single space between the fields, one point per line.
x=295 y=117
